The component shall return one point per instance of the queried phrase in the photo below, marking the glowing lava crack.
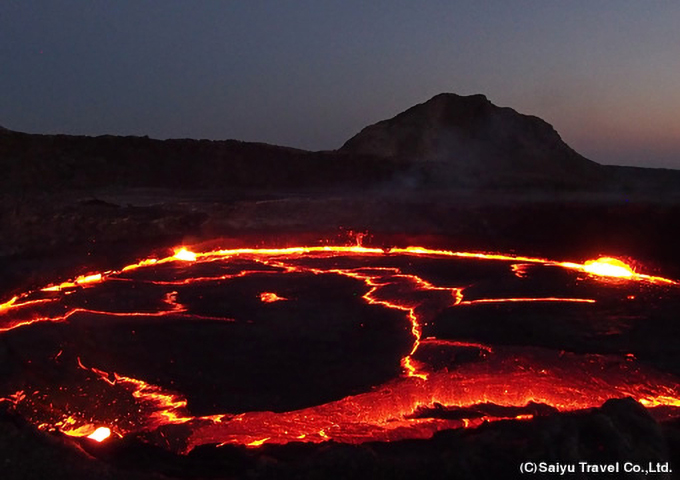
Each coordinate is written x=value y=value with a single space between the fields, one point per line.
x=506 y=377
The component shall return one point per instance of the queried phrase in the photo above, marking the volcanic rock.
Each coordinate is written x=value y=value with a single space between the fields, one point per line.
x=620 y=431
x=470 y=136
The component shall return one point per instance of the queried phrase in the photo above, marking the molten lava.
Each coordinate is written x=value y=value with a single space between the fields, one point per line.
x=501 y=376
x=100 y=434
x=184 y=254
x=270 y=297
x=608 y=267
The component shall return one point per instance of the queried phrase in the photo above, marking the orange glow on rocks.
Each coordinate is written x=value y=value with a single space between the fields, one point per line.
x=257 y=443
x=503 y=376
x=165 y=408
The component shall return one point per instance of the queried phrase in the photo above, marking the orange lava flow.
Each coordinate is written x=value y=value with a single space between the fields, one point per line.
x=597 y=268
x=166 y=408
x=520 y=300
x=510 y=382
x=608 y=267
x=504 y=376
x=270 y=297
x=8 y=304
x=100 y=434
x=79 y=281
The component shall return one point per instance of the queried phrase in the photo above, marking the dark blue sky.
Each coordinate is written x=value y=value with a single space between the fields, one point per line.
x=312 y=73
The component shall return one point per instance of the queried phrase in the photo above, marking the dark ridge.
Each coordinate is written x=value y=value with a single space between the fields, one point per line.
x=59 y=162
x=448 y=142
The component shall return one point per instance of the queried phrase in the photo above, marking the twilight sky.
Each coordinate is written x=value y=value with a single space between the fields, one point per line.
x=312 y=73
